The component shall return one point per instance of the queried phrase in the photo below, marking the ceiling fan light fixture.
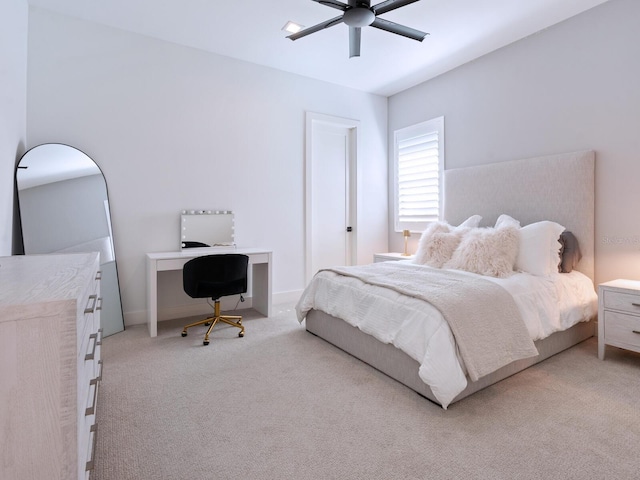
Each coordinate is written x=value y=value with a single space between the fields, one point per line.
x=292 y=27
x=359 y=17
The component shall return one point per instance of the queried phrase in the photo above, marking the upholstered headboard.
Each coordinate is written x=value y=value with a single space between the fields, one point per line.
x=557 y=187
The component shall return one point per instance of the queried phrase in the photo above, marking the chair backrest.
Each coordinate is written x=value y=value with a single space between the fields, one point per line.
x=215 y=276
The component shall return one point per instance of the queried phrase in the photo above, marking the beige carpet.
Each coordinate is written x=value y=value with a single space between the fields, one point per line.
x=283 y=404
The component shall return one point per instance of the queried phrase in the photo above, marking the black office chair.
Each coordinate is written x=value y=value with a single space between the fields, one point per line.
x=215 y=276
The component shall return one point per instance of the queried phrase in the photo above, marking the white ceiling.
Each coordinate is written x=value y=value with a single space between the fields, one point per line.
x=250 y=30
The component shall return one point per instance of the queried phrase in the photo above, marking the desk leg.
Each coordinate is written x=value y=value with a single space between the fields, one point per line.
x=261 y=288
x=152 y=297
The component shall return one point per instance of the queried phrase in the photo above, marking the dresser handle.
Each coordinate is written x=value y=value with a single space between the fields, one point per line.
x=99 y=340
x=99 y=307
x=100 y=364
x=92 y=409
x=99 y=275
x=635 y=331
x=90 y=463
x=91 y=356
x=92 y=300
x=636 y=304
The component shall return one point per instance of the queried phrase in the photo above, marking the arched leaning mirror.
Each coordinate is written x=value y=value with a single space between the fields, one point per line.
x=64 y=208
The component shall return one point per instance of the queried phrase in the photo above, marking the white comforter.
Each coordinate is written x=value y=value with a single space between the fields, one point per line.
x=547 y=304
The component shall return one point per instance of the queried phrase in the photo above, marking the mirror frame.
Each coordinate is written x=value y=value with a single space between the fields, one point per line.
x=104 y=244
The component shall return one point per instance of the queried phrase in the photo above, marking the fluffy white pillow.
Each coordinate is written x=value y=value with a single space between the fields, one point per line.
x=504 y=220
x=439 y=240
x=472 y=222
x=437 y=244
x=487 y=251
x=539 y=251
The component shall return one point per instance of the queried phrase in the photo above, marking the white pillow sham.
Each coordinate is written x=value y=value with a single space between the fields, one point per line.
x=539 y=251
x=472 y=222
x=504 y=220
x=487 y=251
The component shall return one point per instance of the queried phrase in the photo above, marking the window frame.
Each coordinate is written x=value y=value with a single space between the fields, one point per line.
x=435 y=125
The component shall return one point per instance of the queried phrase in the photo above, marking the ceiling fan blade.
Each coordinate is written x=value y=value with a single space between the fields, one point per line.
x=355 y=37
x=334 y=4
x=399 y=29
x=316 y=28
x=389 y=5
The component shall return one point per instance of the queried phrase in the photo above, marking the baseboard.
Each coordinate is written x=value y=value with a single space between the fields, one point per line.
x=286 y=297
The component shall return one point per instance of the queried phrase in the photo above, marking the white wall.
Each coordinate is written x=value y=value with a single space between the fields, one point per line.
x=13 y=98
x=173 y=128
x=574 y=86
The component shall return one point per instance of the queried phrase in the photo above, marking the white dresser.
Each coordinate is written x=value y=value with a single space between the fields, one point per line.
x=49 y=365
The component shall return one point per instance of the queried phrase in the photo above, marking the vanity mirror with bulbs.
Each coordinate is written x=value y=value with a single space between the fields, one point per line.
x=206 y=229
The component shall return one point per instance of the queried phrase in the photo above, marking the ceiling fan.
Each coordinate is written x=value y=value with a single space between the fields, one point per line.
x=360 y=13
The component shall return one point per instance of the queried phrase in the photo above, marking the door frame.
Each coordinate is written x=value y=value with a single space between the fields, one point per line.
x=312 y=120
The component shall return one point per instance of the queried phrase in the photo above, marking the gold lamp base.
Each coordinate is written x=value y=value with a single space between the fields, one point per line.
x=406 y=234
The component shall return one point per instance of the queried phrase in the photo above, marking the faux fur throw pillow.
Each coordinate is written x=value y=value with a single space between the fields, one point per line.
x=487 y=251
x=437 y=244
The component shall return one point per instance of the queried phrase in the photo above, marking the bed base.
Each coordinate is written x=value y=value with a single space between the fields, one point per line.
x=399 y=366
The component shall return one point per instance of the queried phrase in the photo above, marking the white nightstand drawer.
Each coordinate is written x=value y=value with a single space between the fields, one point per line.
x=625 y=302
x=622 y=329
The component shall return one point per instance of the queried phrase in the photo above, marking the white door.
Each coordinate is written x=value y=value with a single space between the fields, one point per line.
x=330 y=209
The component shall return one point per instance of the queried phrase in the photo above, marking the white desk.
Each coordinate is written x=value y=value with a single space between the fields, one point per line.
x=259 y=262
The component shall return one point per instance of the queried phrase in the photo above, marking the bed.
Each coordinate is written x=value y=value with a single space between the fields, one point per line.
x=563 y=189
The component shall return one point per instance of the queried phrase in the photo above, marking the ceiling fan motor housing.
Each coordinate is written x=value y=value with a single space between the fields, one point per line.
x=358 y=17
x=359 y=13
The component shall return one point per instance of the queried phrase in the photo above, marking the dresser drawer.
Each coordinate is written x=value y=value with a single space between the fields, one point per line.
x=622 y=329
x=87 y=428
x=624 y=302
x=88 y=310
x=87 y=450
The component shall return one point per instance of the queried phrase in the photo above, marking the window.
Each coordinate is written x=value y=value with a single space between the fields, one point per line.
x=418 y=167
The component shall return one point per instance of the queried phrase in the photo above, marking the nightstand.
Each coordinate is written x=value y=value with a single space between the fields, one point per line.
x=385 y=257
x=619 y=315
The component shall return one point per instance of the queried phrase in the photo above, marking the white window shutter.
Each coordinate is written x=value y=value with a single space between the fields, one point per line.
x=418 y=168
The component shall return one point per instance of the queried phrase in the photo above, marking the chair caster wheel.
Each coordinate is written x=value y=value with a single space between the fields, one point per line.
x=206 y=342
x=241 y=334
x=184 y=334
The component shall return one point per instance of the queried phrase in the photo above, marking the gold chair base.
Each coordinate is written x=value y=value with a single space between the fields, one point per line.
x=233 y=320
